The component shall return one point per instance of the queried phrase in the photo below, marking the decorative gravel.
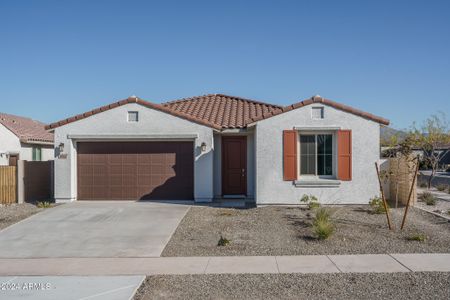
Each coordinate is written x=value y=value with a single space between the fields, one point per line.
x=281 y=230
x=429 y=285
x=442 y=206
x=10 y=214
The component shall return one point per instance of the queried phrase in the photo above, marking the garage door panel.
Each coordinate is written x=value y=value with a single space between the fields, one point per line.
x=144 y=170
x=130 y=158
x=115 y=158
x=116 y=193
x=135 y=170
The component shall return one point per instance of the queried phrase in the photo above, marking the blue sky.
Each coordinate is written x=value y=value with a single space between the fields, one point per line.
x=390 y=58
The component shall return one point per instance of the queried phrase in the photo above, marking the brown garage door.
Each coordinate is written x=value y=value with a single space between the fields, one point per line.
x=135 y=170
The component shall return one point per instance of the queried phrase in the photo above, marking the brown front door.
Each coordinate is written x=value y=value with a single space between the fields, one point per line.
x=135 y=170
x=234 y=165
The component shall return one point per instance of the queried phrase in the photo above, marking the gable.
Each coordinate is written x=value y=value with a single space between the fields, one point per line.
x=115 y=122
x=327 y=102
x=130 y=100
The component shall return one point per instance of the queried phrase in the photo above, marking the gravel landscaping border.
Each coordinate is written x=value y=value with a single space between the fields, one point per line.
x=10 y=214
x=425 y=285
x=281 y=230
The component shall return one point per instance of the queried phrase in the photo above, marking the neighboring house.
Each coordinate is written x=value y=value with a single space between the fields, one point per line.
x=218 y=146
x=25 y=139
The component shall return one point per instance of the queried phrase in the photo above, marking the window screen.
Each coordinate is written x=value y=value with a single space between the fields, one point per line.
x=317 y=112
x=133 y=116
x=324 y=154
x=307 y=155
x=316 y=154
x=37 y=154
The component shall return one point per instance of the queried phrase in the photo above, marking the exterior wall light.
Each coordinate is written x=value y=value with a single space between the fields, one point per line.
x=203 y=147
x=61 y=147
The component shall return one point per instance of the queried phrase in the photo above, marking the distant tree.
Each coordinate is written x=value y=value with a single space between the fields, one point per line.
x=432 y=138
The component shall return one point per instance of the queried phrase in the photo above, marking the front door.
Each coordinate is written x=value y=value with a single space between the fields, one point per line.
x=234 y=165
x=13 y=158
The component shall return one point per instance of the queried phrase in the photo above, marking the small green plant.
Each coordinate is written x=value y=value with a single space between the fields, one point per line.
x=377 y=205
x=442 y=187
x=323 y=227
x=423 y=184
x=223 y=241
x=428 y=198
x=311 y=201
x=420 y=237
x=44 y=204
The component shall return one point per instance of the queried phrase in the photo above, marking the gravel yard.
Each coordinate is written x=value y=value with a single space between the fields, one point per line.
x=281 y=230
x=428 y=285
x=442 y=206
x=13 y=213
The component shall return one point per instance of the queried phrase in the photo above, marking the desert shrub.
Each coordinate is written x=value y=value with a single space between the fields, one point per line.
x=424 y=164
x=44 y=204
x=376 y=203
x=420 y=237
x=223 y=241
x=442 y=187
x=423 y=184
x=311 y=201
x=323 y=227
x=428 y=198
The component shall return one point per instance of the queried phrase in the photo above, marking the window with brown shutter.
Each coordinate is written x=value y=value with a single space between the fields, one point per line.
x=345 y=155
x=290 y=154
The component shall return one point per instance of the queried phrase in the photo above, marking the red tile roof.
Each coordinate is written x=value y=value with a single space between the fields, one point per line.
x=318 y=99
x=126 y=101
x=26 y=129
x=222 y=110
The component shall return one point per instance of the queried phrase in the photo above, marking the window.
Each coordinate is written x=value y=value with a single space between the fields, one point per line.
x=37 y=153
x=316 y=154
x=317 y=113
x=133 y=116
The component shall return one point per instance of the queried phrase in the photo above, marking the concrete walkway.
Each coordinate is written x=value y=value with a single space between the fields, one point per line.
x=364 y=263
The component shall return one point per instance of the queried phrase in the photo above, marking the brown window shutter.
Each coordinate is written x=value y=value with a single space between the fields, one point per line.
x=345 y=155
x=289 y=154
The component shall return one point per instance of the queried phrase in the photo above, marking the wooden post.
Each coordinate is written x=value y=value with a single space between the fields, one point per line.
x=384 y=199
x=410 y=194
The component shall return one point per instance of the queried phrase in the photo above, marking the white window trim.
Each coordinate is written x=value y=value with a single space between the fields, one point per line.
x=133 y=112
x=316 y=179
x=322 y=108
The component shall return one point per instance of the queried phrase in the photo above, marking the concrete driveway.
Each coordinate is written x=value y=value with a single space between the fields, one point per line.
x=94 y=229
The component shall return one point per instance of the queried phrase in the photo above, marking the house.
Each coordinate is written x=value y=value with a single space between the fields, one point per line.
x=25 y=139
x=218 y=146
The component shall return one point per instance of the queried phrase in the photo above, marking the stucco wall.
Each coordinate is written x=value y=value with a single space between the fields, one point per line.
x=250 y=165
x=270 y=187
x=114 y=122
x=9 y=142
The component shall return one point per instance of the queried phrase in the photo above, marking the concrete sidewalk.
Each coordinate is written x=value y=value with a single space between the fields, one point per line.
x=364 y=263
